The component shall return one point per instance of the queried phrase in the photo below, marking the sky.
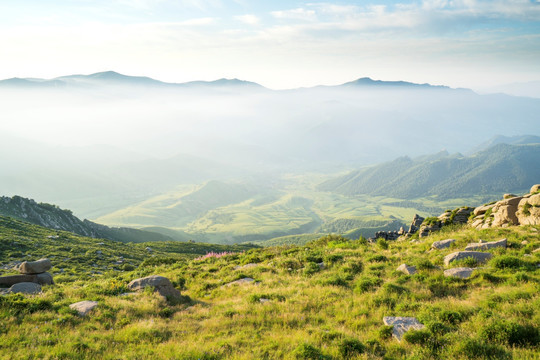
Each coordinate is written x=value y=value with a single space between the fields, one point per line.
x=279 y=44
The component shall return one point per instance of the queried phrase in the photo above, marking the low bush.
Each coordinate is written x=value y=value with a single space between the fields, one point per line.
x=350 y=347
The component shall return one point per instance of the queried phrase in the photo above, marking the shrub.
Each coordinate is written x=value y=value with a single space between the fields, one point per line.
x=377 y=258
x=382 y=244
x=334 y=280
x=17 y=304
x=510 y=333
x=508 y=262
x=418 y=337
x=394 y=289
x=385 y=332
x=307 y=352
x=476 y=349
x=334 y=258
x=311 y=268
x=353 y=268
x=365 y=284
x=451 y=317
x=290 y=264
x=424 y=264
x=350 y=347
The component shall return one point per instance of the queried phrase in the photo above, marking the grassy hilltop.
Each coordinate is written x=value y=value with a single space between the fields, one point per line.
x=312 y=312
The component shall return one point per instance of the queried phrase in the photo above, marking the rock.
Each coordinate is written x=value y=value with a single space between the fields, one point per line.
x=160 y=284
x=321 y=265
x=16 y=279
x=35 y=267
x=534 y=188
x=99 y=252
x=460 y=255
x=460 y=272
x=241 y=281
x=263 y=300
x=509 y=196
x=443 y=244
x=409 y=270
x=486 y=245
x=25 y=288
x=149 y=249
x=402 y=325
x=529 y=210
x=83 y=307
x=426 y=230
x=504 y=212
x=44 y=279
x=482 y=209
x=524 y=242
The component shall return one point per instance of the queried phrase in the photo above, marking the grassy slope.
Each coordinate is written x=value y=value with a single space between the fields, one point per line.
x=331 y=313
x=77 y=256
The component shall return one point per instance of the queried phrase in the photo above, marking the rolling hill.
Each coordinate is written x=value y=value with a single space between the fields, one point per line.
x=499 y=168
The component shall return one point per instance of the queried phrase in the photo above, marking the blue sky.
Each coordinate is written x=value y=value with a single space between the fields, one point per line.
x=280 y=44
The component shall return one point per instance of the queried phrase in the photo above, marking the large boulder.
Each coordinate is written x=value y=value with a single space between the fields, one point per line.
x=25 y=288
x=534 y=189
x=402 y=325
x=443 y=244
x=482 y=209
x=504 y=212
x=84 y=307
x=529 y=210
x=15 y=279
x=460 y=272
x=460 y=255
x=161 y=285
x=486 y=245
x=44 y=279
x=35 y=267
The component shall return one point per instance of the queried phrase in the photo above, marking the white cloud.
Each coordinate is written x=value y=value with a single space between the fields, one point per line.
x=249 y=19
x=296 y=14
x=197 y=22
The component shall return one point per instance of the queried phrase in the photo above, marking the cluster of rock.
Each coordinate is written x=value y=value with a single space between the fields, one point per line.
x=470 y=252
x=459 y=216
x=394 y=235
x=512 y=210
x=33 y=274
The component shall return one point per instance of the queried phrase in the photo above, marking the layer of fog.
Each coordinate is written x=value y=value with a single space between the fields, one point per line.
x=97 y=149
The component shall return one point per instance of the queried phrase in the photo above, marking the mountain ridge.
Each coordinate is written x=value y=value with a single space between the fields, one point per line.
x=115 y=78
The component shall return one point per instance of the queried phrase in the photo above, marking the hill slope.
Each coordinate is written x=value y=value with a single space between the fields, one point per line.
x=295 y=309
x=500 y=168
x=51 y=216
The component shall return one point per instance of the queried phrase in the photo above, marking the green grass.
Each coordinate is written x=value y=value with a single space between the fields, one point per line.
x=334 y=312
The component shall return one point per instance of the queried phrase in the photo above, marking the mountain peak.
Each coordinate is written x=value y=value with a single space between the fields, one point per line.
x=366 y=81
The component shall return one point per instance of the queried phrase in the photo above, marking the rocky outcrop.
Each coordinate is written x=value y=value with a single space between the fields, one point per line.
x=160 y=284
x=458 y=216
x=84 y=307
x=460 y=255
x=486 y=245
x=31 y=272
x=529 y=210
x=512 y=210
x=395 y=235
x=402 y=324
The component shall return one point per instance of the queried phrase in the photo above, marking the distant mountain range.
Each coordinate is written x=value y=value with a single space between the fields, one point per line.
x=112 y=78
x=499 y=168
